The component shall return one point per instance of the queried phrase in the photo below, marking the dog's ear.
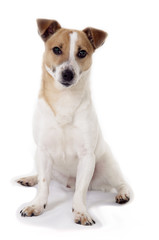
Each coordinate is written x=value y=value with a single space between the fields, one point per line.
x=95 y=36
x=47 y=28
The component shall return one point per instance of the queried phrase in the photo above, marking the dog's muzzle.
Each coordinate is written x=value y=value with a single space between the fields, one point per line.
x=67 y=77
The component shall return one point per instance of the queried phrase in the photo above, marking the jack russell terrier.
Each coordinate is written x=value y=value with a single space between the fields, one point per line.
x=70 y=145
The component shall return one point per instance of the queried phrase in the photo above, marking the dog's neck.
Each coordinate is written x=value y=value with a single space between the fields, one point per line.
x=65 y=101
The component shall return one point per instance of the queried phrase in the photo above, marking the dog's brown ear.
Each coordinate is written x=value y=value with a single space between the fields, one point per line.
x=95 y=36
x=47 y=28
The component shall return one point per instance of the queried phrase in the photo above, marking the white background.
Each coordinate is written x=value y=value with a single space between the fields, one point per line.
x=125 y=86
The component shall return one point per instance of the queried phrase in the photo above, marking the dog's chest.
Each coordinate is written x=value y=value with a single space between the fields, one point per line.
x=62 y=141
x=64 y=147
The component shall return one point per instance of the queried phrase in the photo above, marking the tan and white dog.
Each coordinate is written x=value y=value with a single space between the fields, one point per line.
x=70 y=146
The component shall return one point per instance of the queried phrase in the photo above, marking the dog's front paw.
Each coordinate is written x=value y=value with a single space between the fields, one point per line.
x=82 y=218
x=32 y=210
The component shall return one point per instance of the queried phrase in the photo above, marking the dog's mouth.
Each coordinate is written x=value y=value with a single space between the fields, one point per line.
x=66 y=84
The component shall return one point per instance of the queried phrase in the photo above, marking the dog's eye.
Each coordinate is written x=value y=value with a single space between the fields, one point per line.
x=81 y=54
x=57 y=50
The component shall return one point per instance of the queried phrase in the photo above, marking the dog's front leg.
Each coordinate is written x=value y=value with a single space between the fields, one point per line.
x=85 y=172
x=44 y=165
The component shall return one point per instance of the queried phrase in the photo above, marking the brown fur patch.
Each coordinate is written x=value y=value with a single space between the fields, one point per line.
x=48 y=90
x=61 y=39
x=47 y=28
x=54 y=36
x=95 y=36
x=83 y=44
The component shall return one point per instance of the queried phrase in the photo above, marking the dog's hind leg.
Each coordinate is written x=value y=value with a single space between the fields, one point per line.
x=28 y=181
x=108 y=175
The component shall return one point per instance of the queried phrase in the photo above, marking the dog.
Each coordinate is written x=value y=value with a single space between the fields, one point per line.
x=70 y=145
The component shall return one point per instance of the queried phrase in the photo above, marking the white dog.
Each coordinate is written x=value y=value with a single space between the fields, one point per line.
x=70 y=146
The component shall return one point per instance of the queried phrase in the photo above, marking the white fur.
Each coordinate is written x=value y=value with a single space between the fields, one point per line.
x=70 y=145
x=73 y=39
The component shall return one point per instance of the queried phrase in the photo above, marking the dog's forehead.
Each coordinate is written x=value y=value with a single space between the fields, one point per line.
x=60 y=38
x=64 y=37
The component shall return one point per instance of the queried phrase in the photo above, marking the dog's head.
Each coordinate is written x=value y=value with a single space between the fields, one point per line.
x=68 y=53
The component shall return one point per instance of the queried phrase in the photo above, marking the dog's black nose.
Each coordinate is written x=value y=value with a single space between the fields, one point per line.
x=67 y=75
